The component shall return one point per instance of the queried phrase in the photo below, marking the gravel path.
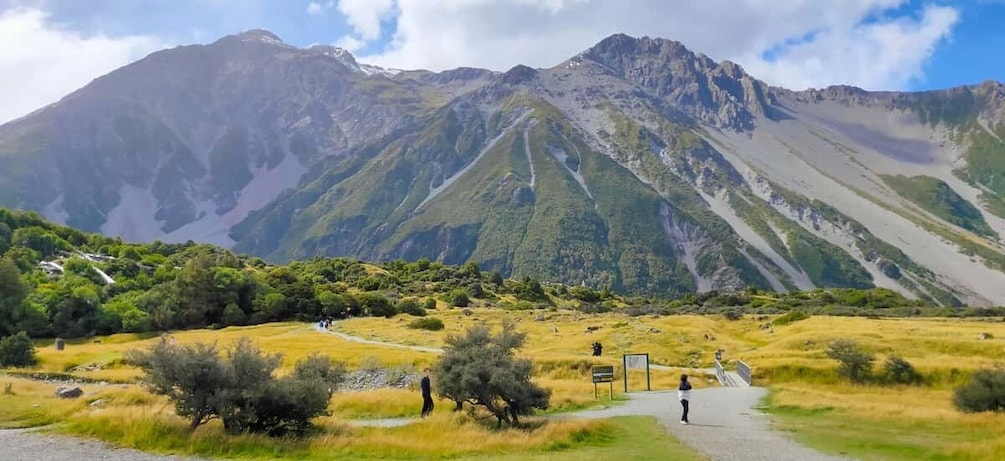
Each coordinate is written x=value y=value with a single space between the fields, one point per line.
x=30 y=445
x=437 y=350
x=724 y=424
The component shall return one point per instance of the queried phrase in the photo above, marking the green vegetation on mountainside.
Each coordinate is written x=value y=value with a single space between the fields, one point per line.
x=160 y=287
x=936 y=197
x=635 y=145
x=959 y=109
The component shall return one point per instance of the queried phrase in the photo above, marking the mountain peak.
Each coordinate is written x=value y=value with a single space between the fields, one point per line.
x=260 y=35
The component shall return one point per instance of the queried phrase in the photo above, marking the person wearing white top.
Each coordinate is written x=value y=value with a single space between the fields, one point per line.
x=684 y=395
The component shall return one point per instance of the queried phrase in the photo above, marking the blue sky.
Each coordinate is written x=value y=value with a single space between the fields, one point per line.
x=875 y=44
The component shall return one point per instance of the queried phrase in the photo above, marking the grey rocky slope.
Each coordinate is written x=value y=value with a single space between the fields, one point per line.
x=636 y=164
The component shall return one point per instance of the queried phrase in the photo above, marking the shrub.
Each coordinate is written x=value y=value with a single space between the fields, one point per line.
x=17 y=351
x=376 y=305
x=790 y=317
x=984 y=392
x=427 y=323
x=481 y=368
x=239 y=389
x=459 y=298
x=900 y=371
x=476 y=290
x=430 y=304
x=854 y=363
x=411 y=307
x=193 y=377
x=733 y=314
x=593 y=308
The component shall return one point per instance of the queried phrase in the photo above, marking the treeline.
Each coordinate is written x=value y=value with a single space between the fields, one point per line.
x=160 y=286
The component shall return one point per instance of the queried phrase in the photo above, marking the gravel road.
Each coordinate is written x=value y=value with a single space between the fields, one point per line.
x=724 y=424
x=31 y=445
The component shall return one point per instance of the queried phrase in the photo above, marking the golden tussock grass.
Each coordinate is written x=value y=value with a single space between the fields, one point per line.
x=791 y=359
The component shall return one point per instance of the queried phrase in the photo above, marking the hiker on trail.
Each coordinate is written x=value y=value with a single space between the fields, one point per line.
x=427 y=394
x=597 y=349
x=684 y=394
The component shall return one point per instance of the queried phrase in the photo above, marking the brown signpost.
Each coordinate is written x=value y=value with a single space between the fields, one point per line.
x=603 y=374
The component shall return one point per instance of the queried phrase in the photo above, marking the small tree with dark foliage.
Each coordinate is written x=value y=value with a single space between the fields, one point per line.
x=239 y=389
x=899 y=371
x=17 y=351
x=984 y=392
x=194 y=377
x=853 y=362
x=481 y=369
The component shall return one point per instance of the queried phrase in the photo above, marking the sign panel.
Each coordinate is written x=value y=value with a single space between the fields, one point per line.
x=637 y=362
x=603 y=374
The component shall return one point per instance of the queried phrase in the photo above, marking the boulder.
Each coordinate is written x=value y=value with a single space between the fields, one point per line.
x=69 y=392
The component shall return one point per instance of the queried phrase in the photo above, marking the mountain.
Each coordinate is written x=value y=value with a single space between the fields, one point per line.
x=637 y=164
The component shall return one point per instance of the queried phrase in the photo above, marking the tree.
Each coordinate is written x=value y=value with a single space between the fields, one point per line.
x=194 y=377
x=459 y=298
x=854 y=363
x=196 y=290
x=12 y=293
x=497 y=279
x=900 y=371
x=239 y=389
x=481 y=369
x=984 y=392
x=17 y=351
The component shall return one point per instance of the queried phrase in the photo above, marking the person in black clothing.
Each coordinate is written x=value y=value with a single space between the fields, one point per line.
x=597 y=349
x=684 y=394
x=427 y=394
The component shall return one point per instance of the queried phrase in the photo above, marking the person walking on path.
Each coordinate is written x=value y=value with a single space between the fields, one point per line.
x=684 y=395
x=427 y=394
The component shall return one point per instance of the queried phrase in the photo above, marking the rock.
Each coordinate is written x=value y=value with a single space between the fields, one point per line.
x=69 y=392
x=98 y=403
x=539 y=318
x=655 y=331
x=985 y=336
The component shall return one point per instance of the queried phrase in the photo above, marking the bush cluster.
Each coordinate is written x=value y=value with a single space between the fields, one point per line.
x=17 y=351
x=411 y=307
x=239 y=387
x=984 y=392
x=426 y=323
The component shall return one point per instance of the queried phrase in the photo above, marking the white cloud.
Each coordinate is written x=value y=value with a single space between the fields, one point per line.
x=41 y=62
x=365 y=16
x=868 y=43
x=317 y=8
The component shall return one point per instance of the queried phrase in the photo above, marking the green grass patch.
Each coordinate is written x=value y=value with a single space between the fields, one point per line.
x=936 y=197
x=623 y=438
x=840 y=432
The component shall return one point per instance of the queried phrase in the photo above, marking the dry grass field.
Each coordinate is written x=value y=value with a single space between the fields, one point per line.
x=865 y=421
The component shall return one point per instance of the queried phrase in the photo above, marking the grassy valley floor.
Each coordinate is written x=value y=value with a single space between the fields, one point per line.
x=863 y=421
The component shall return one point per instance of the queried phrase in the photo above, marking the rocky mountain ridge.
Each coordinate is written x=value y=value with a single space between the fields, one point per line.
x=637 y=164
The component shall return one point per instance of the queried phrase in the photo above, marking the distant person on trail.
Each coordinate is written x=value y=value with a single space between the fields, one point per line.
x=427 y=394
x=684 y=394
x=597 y=349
